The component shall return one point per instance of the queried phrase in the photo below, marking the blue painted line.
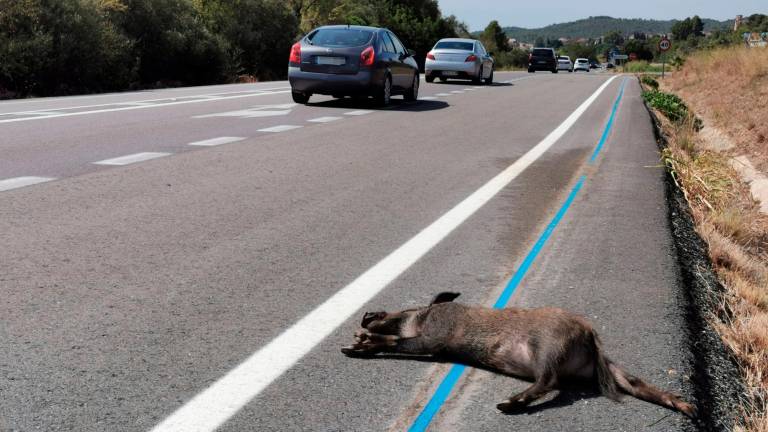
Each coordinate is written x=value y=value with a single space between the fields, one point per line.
x=608 y=127
x=446 y=385
x=444 y=389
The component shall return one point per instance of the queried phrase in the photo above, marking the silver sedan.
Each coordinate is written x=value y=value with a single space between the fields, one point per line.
x=459 y=58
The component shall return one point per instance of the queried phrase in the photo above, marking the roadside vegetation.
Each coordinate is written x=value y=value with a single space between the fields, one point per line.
x=728 y=88
x=58 y=47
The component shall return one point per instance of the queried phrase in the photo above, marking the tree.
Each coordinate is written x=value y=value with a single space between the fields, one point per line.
x=257 y=34
x=494 y=38
x=614 y=38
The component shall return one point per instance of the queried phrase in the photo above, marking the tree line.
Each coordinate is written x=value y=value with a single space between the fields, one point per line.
x=58 y=47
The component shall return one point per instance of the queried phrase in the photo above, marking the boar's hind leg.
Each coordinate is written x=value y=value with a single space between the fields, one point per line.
x=543 y=385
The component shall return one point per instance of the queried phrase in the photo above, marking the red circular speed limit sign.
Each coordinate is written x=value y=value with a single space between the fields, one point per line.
x=664 y=44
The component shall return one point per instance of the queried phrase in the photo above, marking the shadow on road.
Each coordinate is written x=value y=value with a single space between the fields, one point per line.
x=567 y=393
x=394 y=105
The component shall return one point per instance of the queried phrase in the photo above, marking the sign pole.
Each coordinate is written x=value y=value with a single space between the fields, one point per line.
x=664 y=45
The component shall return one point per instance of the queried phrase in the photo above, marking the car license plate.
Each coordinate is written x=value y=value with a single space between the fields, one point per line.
x=450 y=73
x=335 y=61
x=542 y=62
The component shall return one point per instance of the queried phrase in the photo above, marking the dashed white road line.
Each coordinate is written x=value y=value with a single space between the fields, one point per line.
x=17 y=182
x=280 y=128
x=457 y=91
x=324 y=119
x=358 y=112
x=137 y=107
x=216 y=141
x=132 y=158
x=442 y=94
x=427 y=98
x=224 y=398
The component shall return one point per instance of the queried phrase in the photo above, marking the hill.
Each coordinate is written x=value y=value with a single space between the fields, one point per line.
x=594 y=27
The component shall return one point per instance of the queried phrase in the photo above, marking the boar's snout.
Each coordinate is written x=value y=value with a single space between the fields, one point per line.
x=369 y=317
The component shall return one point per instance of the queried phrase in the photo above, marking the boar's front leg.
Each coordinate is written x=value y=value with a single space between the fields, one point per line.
x=367 y=343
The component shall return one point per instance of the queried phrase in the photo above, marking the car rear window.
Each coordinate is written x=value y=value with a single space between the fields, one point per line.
x=466 y=46
x=340 y=38
x=542 y=53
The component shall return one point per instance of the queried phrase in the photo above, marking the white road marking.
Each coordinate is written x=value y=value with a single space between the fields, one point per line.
x=17 y=182
x=427 y=98
x=442 y=94
x=469 y=89
x=135 y=107
x=324 y=119
x=221 y=400
x=132 y=158
x=457 y=91
x=478 y=87
x=246 y=114
x=358 y=112
x=279 y=128
x=216 y=141
x=37 y=113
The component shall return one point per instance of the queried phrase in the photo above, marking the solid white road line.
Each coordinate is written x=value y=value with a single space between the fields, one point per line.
x=17 y=182
x=225 y=397
x=279 y=128
x=216 y=141
x=132 y=158
x=358 y=112
x=324 y=119
x=137 y=107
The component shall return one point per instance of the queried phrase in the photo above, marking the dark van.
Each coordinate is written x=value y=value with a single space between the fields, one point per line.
x=542 y=59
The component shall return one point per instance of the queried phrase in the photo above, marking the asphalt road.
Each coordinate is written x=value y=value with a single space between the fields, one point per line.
x=173 y=234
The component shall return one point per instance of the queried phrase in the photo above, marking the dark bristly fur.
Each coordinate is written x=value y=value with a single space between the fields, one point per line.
x=547 y=346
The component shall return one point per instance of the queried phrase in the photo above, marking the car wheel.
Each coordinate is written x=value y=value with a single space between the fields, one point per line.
x=413 y=93
x=430 y=78
x=384 y=94
x=554 y=70
x=301 y=98
x=489 y=80
x=443 y=79
x=479 y=78
x=531 y=70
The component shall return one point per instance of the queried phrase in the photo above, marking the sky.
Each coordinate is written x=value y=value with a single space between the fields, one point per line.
x=533 y=14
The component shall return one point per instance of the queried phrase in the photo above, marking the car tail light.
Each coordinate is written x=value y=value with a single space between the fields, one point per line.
x=430 y=56
x=471 y=57
x=295 y=56
x=367 y=57
x=530 y=56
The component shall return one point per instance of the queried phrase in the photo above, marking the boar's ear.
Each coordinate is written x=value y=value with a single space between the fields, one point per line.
x=444 y=297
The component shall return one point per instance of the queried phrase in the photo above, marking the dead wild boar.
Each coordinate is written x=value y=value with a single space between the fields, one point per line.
x=548 y=346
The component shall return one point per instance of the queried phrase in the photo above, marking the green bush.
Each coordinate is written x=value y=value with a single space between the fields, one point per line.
x=650 y=82
x=671 y=106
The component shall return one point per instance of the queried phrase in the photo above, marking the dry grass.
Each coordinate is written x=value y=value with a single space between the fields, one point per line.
x=716 y=85
x=729 y=87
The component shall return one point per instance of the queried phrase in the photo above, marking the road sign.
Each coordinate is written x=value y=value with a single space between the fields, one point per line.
x=664 y=44
x=632 y=56
x=620 y=57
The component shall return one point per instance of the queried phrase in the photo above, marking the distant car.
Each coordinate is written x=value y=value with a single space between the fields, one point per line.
x=459 y=58
x=542 y=59
x=352 y=61
x=581 y=64
x=610 y=65
x=594 y=64
x=564 y=63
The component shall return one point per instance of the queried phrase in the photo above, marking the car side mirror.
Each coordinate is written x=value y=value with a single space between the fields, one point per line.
x=411 y=52
x=490 y=53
